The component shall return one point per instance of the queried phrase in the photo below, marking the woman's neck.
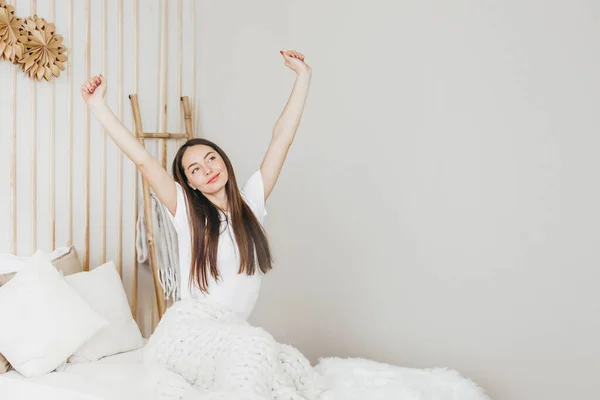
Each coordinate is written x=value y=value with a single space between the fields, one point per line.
x=219 y=199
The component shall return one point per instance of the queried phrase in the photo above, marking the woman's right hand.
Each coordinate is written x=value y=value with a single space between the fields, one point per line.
x=94 y=90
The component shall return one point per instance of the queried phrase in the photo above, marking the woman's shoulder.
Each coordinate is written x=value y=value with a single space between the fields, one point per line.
x=180 y=219
x=253 y=193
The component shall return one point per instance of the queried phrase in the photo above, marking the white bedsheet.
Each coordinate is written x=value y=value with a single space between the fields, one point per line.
x=111 y=378
x=119 y=377
x=18 y=389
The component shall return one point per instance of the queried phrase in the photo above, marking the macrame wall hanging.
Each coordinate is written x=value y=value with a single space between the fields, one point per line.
x=31 y=43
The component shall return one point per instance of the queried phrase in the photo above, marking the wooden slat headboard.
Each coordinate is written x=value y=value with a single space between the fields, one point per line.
x=68 y=183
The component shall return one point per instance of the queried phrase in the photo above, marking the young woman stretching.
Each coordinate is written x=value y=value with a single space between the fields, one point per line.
x=223 y=249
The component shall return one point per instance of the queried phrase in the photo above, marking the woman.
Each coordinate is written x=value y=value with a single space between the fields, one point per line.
x=223 y=249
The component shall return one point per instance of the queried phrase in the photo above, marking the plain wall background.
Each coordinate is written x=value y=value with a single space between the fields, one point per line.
x=440 y=204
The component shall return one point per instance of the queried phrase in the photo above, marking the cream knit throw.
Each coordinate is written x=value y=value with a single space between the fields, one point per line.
x=199 y=351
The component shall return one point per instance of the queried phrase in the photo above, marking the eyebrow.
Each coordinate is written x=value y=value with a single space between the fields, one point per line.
x=192 y=164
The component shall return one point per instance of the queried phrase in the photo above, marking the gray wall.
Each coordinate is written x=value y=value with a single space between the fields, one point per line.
x=440 y=204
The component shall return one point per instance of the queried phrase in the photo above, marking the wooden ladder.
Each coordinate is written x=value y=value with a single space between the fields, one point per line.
x=141 y=135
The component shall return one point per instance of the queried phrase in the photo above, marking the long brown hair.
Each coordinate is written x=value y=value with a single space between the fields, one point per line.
x=205 y=224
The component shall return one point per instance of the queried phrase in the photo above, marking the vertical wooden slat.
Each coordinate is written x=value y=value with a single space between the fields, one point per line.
x=195 y=99
x=33 y=155
x=86 y=265
x=187 y=115
x=103 y=167
x=13 y=163
x=70 y=125
x=52 y=148
x=164 y=34
x=179 y=61
x=134 y=282
x=120 y=156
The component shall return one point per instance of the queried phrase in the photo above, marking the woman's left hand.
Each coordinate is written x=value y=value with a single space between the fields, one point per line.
x=295 y=62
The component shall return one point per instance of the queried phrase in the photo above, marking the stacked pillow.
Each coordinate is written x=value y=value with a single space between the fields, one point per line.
x=48 y=318
x=102 y=289
x=65 y=259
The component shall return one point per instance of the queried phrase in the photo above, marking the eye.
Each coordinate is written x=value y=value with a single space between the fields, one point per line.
x=211 y=158
x=194 y=170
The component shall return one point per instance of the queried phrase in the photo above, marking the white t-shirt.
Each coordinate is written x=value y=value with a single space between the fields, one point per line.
x=235 y=291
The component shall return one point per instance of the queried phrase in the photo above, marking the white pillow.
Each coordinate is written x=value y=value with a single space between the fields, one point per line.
x=42 y=319
x=103 y=290
x=10 y=263
x=59 y=252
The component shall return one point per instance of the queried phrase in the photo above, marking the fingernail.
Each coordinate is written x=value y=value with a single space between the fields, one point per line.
x=281 y=51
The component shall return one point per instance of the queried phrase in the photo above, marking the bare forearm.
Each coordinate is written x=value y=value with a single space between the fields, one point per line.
x=122 y=137
x=287 y=124
x=93 y=92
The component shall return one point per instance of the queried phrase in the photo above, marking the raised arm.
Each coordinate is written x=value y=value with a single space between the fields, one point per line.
x=287 y=124
x=93 y=92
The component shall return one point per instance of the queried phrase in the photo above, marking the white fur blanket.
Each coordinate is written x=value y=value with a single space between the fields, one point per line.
x=199 y=351
x=360 y=379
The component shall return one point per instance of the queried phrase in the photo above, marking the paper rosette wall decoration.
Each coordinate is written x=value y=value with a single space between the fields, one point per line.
x=43 y=52
x=11 y=49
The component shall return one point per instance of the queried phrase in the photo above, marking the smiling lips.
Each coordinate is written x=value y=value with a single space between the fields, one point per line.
x=214 y=178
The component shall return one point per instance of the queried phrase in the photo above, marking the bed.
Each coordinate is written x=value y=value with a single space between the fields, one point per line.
x=112 y=378
x=119 y=377
x=70 y=335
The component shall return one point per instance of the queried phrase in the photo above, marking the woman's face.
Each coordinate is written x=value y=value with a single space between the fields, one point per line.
x=204 y=168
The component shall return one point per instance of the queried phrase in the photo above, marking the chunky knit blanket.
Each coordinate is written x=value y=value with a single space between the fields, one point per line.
x=202 y=352
x=199 y=351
